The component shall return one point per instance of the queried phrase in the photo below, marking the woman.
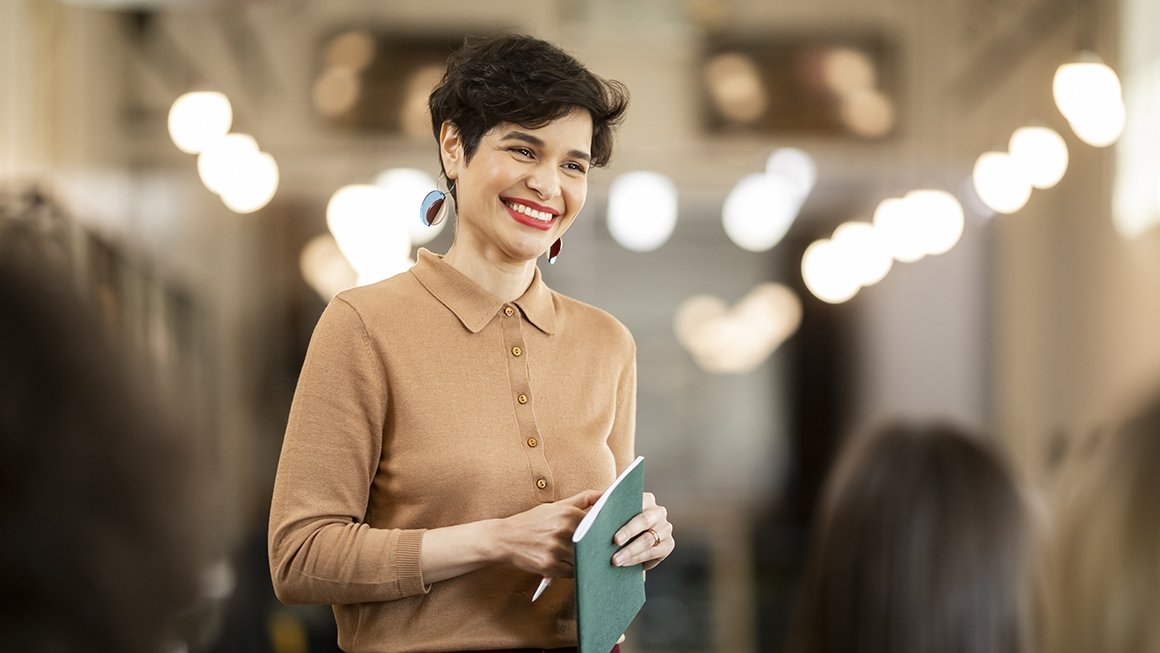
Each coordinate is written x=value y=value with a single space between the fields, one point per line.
x=1104 y=557
x=450 y=428
x=923 y=545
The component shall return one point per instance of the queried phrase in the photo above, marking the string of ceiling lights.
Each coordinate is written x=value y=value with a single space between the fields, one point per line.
x=373 y=227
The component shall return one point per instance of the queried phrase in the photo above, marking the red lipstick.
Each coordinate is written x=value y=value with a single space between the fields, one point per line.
x=527 y=219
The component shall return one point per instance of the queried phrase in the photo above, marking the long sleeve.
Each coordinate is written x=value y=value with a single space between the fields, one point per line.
x=320 y=549
x=425 y=402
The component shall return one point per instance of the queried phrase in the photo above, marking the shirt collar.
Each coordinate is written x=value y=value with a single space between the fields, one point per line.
x=473 y=305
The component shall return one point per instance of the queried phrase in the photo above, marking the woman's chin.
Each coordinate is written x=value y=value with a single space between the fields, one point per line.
x=526 y=251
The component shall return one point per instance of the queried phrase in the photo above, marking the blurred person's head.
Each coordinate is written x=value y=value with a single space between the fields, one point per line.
x=98 y=551
x=922 y=546
x=1104 y=581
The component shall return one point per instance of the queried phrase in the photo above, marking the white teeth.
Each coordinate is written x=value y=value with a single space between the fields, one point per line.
x=542 y=216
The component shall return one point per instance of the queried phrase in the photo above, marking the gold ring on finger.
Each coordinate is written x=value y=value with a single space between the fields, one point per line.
x=656 y=537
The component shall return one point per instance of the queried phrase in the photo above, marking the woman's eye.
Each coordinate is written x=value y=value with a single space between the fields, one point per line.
x=522 y=151
x=576 y=167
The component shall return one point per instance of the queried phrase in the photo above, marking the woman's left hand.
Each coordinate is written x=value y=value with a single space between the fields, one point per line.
x=646 y=538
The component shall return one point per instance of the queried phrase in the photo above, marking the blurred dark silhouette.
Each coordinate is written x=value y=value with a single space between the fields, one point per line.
x=1103 y=586
x=101 y=538
x=923 y=544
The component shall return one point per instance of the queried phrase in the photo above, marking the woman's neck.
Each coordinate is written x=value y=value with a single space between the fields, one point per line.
x=507 y=279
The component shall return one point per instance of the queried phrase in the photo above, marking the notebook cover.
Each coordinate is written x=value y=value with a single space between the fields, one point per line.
x=608 y=598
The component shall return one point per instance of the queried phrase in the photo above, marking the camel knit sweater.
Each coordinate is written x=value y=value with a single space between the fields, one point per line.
x=424 y=402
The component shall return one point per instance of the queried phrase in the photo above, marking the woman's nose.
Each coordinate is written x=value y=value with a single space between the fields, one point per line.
x=545 y=181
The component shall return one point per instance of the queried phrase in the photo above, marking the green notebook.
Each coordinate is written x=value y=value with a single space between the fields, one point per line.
x=607 y=597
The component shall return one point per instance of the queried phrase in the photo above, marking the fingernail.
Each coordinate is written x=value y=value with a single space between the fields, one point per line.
x=618 y=560
x=619 y=539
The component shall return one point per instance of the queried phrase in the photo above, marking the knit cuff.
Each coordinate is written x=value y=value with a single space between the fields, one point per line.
x=408 y=565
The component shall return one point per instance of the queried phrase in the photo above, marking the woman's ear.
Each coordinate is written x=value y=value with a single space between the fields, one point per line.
x=450 y=149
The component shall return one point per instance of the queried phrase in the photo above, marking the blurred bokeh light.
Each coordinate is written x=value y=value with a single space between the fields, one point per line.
x=1088 y=93
x=197 y=119
x=325 y=268
x=403 y=192
x=737 y=339
x=376 y=247
x=642 y=210
x=1040 y=153
x=735 y=86
x=1000 y=183
x=869 y=255
x=829 y=271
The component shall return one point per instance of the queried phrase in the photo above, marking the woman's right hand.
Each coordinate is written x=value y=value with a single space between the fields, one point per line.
x=540 y=540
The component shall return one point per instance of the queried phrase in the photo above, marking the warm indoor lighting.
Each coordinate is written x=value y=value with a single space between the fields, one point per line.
x=404 y=190
x=759 y=210
x=1136 y=182
x=224 y=160
x=1088 y=93
x=324 y=267
x=738 y=339
x=255 y=184
x=898 y=228
x=828 y=273
x=376 y=247
x=198 y=118
x=415 y=117
x=353 y=50
x=1136 y=196
x=1103 y=127
x=868 y=113
x=735 y=87
x=1040 y=153
x=772 y=312
x=336 y=91
x=642 y=210
x=969 y=199
x=796 y=166
x=847 y=70
x=1000 y=183
x=937 y=217
x=693 y=315
x=1079 y=86
x=868 y=252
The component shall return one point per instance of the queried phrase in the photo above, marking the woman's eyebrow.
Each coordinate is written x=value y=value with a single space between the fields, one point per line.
x=539 y=142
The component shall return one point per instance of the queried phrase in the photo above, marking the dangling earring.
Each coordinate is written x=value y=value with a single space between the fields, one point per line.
x=554 y=251
x=436 y=205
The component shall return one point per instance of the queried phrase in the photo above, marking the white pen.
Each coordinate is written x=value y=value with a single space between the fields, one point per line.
x=540 y=590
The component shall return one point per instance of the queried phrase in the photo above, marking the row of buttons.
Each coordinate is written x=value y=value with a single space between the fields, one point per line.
x=522 y=398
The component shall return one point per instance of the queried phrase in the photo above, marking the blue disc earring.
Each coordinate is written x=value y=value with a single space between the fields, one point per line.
x=434 y=208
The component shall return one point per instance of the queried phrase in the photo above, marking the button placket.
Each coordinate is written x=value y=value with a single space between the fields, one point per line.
x=523 y=402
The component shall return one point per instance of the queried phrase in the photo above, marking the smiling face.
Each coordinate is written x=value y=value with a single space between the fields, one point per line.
x=522 y=188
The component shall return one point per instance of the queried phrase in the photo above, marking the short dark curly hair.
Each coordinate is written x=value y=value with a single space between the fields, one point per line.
x=526 y=81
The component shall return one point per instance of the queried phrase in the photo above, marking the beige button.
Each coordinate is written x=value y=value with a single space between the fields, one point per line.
x=532 y=442
x=516 y=351
x=509 y=311
x=541 y=484
x=523 y=399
